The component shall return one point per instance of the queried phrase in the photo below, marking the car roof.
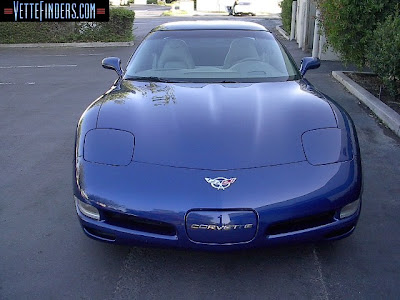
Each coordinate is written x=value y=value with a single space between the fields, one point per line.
x=210 y=25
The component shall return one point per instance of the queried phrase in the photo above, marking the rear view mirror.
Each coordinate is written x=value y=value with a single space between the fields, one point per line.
x=308 y=63
x=112 y=63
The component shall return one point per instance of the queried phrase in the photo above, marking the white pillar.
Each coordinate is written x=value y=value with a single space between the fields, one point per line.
x=304 y=35
x=300 y=22
x=293 y=24
x=315 y=49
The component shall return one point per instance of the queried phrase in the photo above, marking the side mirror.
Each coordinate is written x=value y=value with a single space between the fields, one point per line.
x=112 y=63
x=308 y=63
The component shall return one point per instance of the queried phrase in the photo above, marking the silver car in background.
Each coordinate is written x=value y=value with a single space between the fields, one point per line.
x=244 y=8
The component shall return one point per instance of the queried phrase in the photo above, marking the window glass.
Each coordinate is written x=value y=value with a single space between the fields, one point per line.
x=211 y=56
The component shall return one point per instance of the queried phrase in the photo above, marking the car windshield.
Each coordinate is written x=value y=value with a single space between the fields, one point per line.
x=211 y=56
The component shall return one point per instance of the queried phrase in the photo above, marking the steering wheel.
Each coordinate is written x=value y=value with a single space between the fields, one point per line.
x=245 y=60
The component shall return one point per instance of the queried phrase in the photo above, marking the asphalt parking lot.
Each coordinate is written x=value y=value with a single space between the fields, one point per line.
x=45 y=255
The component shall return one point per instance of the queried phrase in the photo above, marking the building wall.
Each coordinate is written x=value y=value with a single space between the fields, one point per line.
x=305 y=30
x=266 y=6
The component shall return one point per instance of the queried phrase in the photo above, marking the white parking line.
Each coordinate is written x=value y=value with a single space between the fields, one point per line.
x=11 y=83
x=91 y=54
x=65 y=55
x=43 y=66
x=57 y=55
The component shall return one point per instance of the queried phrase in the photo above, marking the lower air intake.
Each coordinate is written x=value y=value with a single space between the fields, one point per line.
x=301 y=223
x=139 y=224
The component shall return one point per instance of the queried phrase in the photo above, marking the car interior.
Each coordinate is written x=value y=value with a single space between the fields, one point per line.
x=237 y=58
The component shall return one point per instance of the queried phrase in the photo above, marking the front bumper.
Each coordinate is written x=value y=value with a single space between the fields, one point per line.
x=101 y=231
x=147 y=205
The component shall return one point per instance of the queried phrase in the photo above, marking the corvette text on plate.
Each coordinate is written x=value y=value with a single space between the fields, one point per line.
x=223 y=227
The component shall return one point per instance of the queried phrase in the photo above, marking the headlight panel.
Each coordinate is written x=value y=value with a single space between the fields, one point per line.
x=109 y=147
x=326 y=146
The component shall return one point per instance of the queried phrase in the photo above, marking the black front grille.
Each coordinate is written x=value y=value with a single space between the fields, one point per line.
x=100 y=234
x=339 y=232
x=137 y=223
x=301 y=223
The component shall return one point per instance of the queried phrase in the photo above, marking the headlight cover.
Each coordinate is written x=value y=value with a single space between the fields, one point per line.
x=87 y=209
x=109 y=147
x=350 y=209
x=326 y=146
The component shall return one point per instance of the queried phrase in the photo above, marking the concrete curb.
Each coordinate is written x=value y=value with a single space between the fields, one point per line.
x=381 y=110
x=74 y=45
x=282 y=32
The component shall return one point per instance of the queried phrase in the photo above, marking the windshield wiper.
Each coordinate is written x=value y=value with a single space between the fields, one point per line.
x=226 y=81
x=153 y=79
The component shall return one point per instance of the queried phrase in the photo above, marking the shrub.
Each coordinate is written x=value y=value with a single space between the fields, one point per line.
x=286 y=14
x=27 y=32
x=383 y=53
x=349 y=24
x=118 y=29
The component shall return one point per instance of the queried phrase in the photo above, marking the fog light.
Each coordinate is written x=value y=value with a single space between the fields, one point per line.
x=349 y=209
x=87 y=209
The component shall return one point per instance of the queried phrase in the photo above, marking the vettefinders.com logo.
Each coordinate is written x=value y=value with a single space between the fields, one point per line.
x=48 y=10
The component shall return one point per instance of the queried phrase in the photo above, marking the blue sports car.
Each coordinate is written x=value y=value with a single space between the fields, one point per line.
x=212 y=139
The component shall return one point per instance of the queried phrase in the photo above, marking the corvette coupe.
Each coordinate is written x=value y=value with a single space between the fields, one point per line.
x=213 y=139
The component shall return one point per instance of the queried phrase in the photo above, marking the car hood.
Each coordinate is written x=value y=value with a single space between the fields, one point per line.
x=216 y=126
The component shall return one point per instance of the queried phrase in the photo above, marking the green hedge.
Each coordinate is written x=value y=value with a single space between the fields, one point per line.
x=383 y=53
x=365 y=33
x=286 y=14
x=349 y=25
x=118 y=29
